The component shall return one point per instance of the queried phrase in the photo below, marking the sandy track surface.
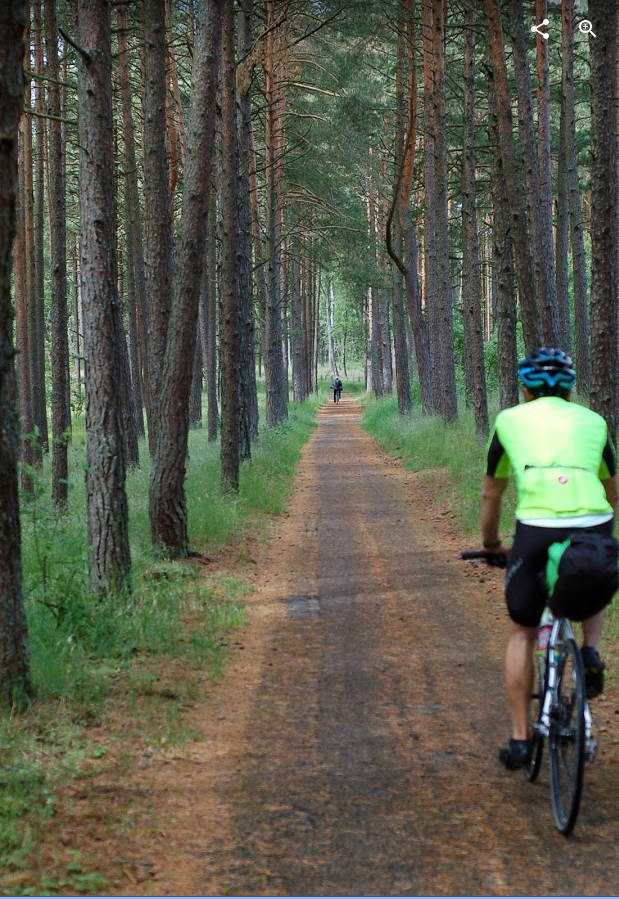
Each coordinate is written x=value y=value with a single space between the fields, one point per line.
x=351 y=747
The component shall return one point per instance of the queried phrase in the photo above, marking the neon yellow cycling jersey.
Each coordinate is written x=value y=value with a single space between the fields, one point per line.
x=559 y=453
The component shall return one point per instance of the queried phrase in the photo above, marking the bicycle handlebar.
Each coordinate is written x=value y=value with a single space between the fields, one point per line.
x=497 y=560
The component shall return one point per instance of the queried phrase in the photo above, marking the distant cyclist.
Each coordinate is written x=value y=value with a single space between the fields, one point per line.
x=564 y=466
x=337 y=388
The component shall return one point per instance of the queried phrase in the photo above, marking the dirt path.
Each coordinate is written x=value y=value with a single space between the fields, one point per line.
x=351 y=748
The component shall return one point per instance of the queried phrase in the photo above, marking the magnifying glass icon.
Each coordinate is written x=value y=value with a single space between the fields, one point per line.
x=586 y=27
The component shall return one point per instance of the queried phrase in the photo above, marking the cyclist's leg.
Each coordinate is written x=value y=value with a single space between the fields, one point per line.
x=526 y=598
x=592 y=629
x=592 y=632
x=519 y=677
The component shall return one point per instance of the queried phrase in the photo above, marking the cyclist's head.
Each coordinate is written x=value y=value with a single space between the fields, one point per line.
x=547 y=372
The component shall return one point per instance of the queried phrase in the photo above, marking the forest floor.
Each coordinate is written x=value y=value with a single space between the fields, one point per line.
x=350 y=748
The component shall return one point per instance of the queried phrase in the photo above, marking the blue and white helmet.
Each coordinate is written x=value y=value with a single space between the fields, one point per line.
x=547 y=371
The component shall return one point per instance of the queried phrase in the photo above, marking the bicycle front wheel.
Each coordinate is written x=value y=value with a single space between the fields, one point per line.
x=567 y=737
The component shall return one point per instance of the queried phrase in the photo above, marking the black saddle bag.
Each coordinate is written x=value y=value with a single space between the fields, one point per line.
x=587 y=575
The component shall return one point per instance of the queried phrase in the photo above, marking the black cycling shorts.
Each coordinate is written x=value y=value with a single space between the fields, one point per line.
x=525 y=587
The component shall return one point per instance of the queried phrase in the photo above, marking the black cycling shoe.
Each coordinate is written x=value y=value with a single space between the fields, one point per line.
x=594 y=671
x=517 y=754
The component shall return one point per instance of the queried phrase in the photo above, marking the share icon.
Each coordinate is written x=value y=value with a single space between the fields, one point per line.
x=536 y=29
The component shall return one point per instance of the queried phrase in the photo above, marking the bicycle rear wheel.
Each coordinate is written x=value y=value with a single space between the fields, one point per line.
x=537 y=751
x=567 y=737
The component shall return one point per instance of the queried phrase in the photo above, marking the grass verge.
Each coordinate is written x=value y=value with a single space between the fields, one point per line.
x=144 y=655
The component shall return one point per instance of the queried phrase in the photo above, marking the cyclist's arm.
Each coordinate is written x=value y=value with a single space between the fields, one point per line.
x=493 y=488
x=491 y=496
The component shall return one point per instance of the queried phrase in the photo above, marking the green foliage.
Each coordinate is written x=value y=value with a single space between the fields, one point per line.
x=85 y=648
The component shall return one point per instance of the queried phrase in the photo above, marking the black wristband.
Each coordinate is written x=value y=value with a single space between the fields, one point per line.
x=491 y=544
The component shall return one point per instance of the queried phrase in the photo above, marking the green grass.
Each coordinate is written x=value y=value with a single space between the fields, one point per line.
x=425 y=442
x=84 y=650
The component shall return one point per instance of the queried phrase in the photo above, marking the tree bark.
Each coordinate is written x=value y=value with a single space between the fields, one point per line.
x=248 y=386
x=604 y=285
x=157 y=200
x=274 y=370
x=231 y=423
x=38 y=320
x=577 y=231
x=403 y=386
x=447 y=399
x=408 y=243
x=61 y=421
x=562 y=240
x=503 y=269
x=471 y=264
x=208 y=313
x=14 y=659
x=541 y=243
x=297 y=328
x=168 y=510
x=195 y=400
x=135 y=244
x=107 y=514
x=522 y=253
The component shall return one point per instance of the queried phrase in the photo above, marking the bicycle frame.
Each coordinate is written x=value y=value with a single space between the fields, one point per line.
x=561 y=630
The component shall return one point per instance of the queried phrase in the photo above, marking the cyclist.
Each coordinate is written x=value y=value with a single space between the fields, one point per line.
x=564 y=466
x=337 y=388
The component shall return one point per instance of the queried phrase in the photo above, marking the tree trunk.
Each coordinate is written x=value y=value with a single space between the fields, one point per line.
x=471 y=265
x=135 y=245
x=604 y=284
x=248 y=387
x=107 y=515
x=134 y=341
x=14 y=659
x=195 y=400
x=230 y=300
x=447 y=400
x=22 y=332
x=551 y=317
x=274 y=371
x=541 y=264
x=403 y=386
x=431 y=283
x=376 y=344
x=38 y=336
x=562 y=240
x=503 y=270
x=61 y=421
x=577 y=231
x=297 y=328
x=208 y=311
x=35 y=454
x=330 y=339
x=408 y=243
x=168 y=510
x=158 y=221
x=521 y=243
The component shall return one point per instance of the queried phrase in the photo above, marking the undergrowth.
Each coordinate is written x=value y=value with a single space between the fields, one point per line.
x=426 y=442
x=85 y=651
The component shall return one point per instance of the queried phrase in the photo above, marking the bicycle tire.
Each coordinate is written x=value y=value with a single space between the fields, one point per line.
x=537 y=750
x=567 y=738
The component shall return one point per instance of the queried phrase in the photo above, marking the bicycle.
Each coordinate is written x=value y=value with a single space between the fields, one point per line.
x=562 y=717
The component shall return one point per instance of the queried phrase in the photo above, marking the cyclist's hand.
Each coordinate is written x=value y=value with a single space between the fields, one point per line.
x=498 y=558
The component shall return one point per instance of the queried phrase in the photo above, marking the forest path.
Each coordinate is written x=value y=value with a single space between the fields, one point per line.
x=351 y=747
